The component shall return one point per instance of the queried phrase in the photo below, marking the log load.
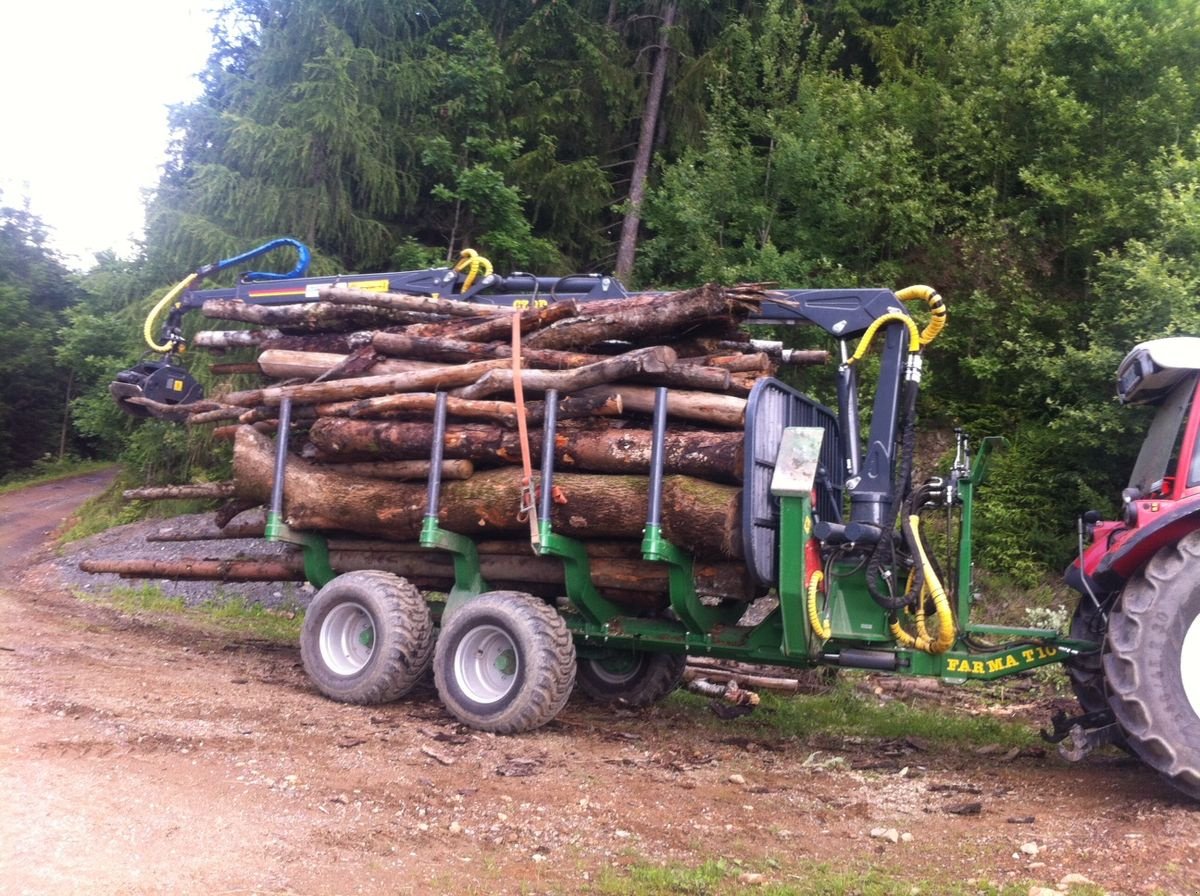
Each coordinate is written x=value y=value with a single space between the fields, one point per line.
x=363 y=371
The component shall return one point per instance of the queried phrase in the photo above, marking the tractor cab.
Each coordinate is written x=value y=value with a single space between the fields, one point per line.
x=1164 y=373
x=1162 y=501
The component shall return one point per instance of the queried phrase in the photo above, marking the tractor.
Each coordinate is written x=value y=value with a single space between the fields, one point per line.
x=1139 y=579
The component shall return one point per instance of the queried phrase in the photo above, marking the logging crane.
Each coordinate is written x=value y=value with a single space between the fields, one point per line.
x=832 y=531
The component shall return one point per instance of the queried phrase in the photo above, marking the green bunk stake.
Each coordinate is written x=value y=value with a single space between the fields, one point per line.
x=468 y=577
x=596 y=609
x=695 y=616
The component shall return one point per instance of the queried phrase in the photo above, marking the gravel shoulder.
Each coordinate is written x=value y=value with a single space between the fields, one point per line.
x=153 y=755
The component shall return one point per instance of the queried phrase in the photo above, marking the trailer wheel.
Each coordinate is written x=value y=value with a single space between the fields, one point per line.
x=367 y=638
x=504 y=662
x=1153 y=663
x=630 y=677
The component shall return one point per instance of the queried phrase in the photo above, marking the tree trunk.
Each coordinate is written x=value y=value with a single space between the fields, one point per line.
x=283 y=364
x=456 y=351
x=698 y=516
x=627 y=247
x=348 y=295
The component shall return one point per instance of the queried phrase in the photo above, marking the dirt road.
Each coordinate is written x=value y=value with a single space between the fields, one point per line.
x=140 y=757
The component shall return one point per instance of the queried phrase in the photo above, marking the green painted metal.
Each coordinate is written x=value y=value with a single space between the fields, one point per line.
x=317 y=568
x=795 y=519
x=468 y=577
x=966 y=491
x=589 y=602
x=699 y=618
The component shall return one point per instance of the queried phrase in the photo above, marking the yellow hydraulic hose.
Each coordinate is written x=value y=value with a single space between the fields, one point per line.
x=148 y=327
x=935 y=590
x=914 y=338
x=820 y=627
x=472 y=262
x=937 y=309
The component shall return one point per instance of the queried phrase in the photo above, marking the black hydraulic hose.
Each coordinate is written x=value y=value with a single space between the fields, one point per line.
x=883 y=557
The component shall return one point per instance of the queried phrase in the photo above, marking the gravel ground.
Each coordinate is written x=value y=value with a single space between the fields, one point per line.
x=129 y=542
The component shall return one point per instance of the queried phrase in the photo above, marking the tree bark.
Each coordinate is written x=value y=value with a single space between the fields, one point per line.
x=627 y=246
x=456 y=351
x=283 y=364
x=698 y=516
x=445 y=377
x=312 y=317
x=648 y=317
x=348 y=295
x=704 y=455
x=656 y=359
x=702 y=407
x=192 y=491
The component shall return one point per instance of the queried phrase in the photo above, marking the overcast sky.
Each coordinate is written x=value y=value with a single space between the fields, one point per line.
x=84 y=90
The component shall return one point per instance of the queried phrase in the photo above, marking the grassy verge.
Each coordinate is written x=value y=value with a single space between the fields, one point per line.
x=845 y=711
x=232 y=616
x=51 y=471
x=717 y=878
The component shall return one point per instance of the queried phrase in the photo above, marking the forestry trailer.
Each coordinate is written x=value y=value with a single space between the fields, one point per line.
x=849 y=561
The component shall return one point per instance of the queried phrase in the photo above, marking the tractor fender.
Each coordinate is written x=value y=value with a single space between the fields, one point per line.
x=1130 y=550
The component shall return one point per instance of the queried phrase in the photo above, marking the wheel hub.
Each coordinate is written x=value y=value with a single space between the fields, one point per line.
x=347 y=639
x=486 y=664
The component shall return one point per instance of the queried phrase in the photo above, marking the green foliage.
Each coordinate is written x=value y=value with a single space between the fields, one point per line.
x=36 y=291
x=1035 y=161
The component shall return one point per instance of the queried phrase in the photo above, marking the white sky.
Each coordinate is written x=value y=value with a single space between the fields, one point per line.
x=84 y=86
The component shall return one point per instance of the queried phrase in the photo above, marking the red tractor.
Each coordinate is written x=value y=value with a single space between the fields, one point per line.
x=1139 y=580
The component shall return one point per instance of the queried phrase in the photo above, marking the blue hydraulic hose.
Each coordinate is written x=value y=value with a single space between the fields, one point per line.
x=304 y=256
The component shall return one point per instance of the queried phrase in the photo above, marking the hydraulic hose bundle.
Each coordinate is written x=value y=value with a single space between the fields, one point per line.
x=923 y=589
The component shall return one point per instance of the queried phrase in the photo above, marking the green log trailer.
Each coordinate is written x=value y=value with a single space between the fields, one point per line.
x=835 y=534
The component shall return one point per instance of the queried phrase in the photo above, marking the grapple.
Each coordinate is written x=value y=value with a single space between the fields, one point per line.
x=159 y=381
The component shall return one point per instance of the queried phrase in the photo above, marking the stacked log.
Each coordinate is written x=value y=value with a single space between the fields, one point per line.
x=362 y=372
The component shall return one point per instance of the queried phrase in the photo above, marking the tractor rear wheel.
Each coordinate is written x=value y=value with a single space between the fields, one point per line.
x=504 y=662
x=1152 y=663
x=630 y=678
x=367 y=638
x=1086 y=672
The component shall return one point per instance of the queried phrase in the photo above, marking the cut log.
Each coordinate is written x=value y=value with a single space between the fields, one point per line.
x=192 y=491
x=422 y=403
x=445 y=377
x=499 y=327
x=698 y=516
x=456 y=351
x=704 y=455
x=234 y=369
x=702 y=407
x=227 y=339
x=601 y=403
x=313 y=316
x=648 y=317
x=404 y=470
x=284 y=364
x=652 y=360
x=348 y=295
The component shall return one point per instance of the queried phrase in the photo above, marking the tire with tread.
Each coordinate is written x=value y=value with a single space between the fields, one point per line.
x=1086 y=673
x=630 y=678
x=367 y=638
x=504 y=662
x=1152 y=663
